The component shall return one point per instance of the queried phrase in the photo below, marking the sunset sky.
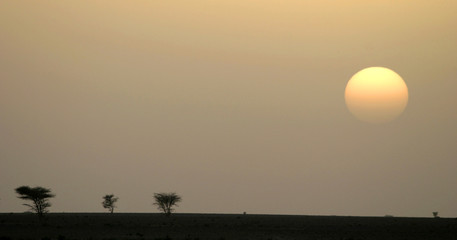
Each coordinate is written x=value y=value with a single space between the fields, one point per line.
x=235 y=105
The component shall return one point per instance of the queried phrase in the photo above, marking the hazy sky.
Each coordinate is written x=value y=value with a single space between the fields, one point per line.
x=236 y=105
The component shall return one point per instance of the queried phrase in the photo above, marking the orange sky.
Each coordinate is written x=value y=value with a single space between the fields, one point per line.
x=236 y=105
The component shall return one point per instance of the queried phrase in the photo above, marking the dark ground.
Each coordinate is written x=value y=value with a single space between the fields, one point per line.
x=221 y=226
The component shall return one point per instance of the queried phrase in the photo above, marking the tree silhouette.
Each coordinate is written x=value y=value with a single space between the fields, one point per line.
x=166 y=201
x=109 y=202
x=39 y=196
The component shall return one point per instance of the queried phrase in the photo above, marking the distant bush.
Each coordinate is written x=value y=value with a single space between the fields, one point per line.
x=109 y=201
x=435 y=215
x=166 y=201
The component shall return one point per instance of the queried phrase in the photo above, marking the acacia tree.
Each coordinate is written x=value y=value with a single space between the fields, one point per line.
x=39 y=197
x=166 y=201
x=109 y=202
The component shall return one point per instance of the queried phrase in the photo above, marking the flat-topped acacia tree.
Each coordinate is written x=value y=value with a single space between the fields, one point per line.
x=166 y=201
x=39 y=197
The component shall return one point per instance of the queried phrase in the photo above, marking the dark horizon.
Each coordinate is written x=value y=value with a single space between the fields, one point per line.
x=148 y=226
x=229 y=214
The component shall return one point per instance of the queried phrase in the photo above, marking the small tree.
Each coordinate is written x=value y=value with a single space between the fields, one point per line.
x=166 y=201
x=39 y=196
x=109 y=202
x=435 y=215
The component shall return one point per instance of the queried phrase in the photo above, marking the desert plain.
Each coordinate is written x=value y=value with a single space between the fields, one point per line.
x=105 y=226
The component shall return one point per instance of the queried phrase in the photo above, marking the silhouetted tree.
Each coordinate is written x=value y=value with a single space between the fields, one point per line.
x=39 y=196
x=435 y=215
x=166 y=201
x=109 y=202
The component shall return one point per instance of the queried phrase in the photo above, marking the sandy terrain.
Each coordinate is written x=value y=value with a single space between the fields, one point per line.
x=221 y=226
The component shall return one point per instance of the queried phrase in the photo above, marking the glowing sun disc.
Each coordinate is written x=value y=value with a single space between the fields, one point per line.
x=376 y=95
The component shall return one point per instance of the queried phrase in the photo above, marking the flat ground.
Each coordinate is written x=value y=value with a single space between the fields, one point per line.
x=221 y=226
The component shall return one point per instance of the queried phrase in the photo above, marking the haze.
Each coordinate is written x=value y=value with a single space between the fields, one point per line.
x=235 y=105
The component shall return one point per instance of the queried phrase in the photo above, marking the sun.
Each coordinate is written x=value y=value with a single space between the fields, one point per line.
x=376 y=95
